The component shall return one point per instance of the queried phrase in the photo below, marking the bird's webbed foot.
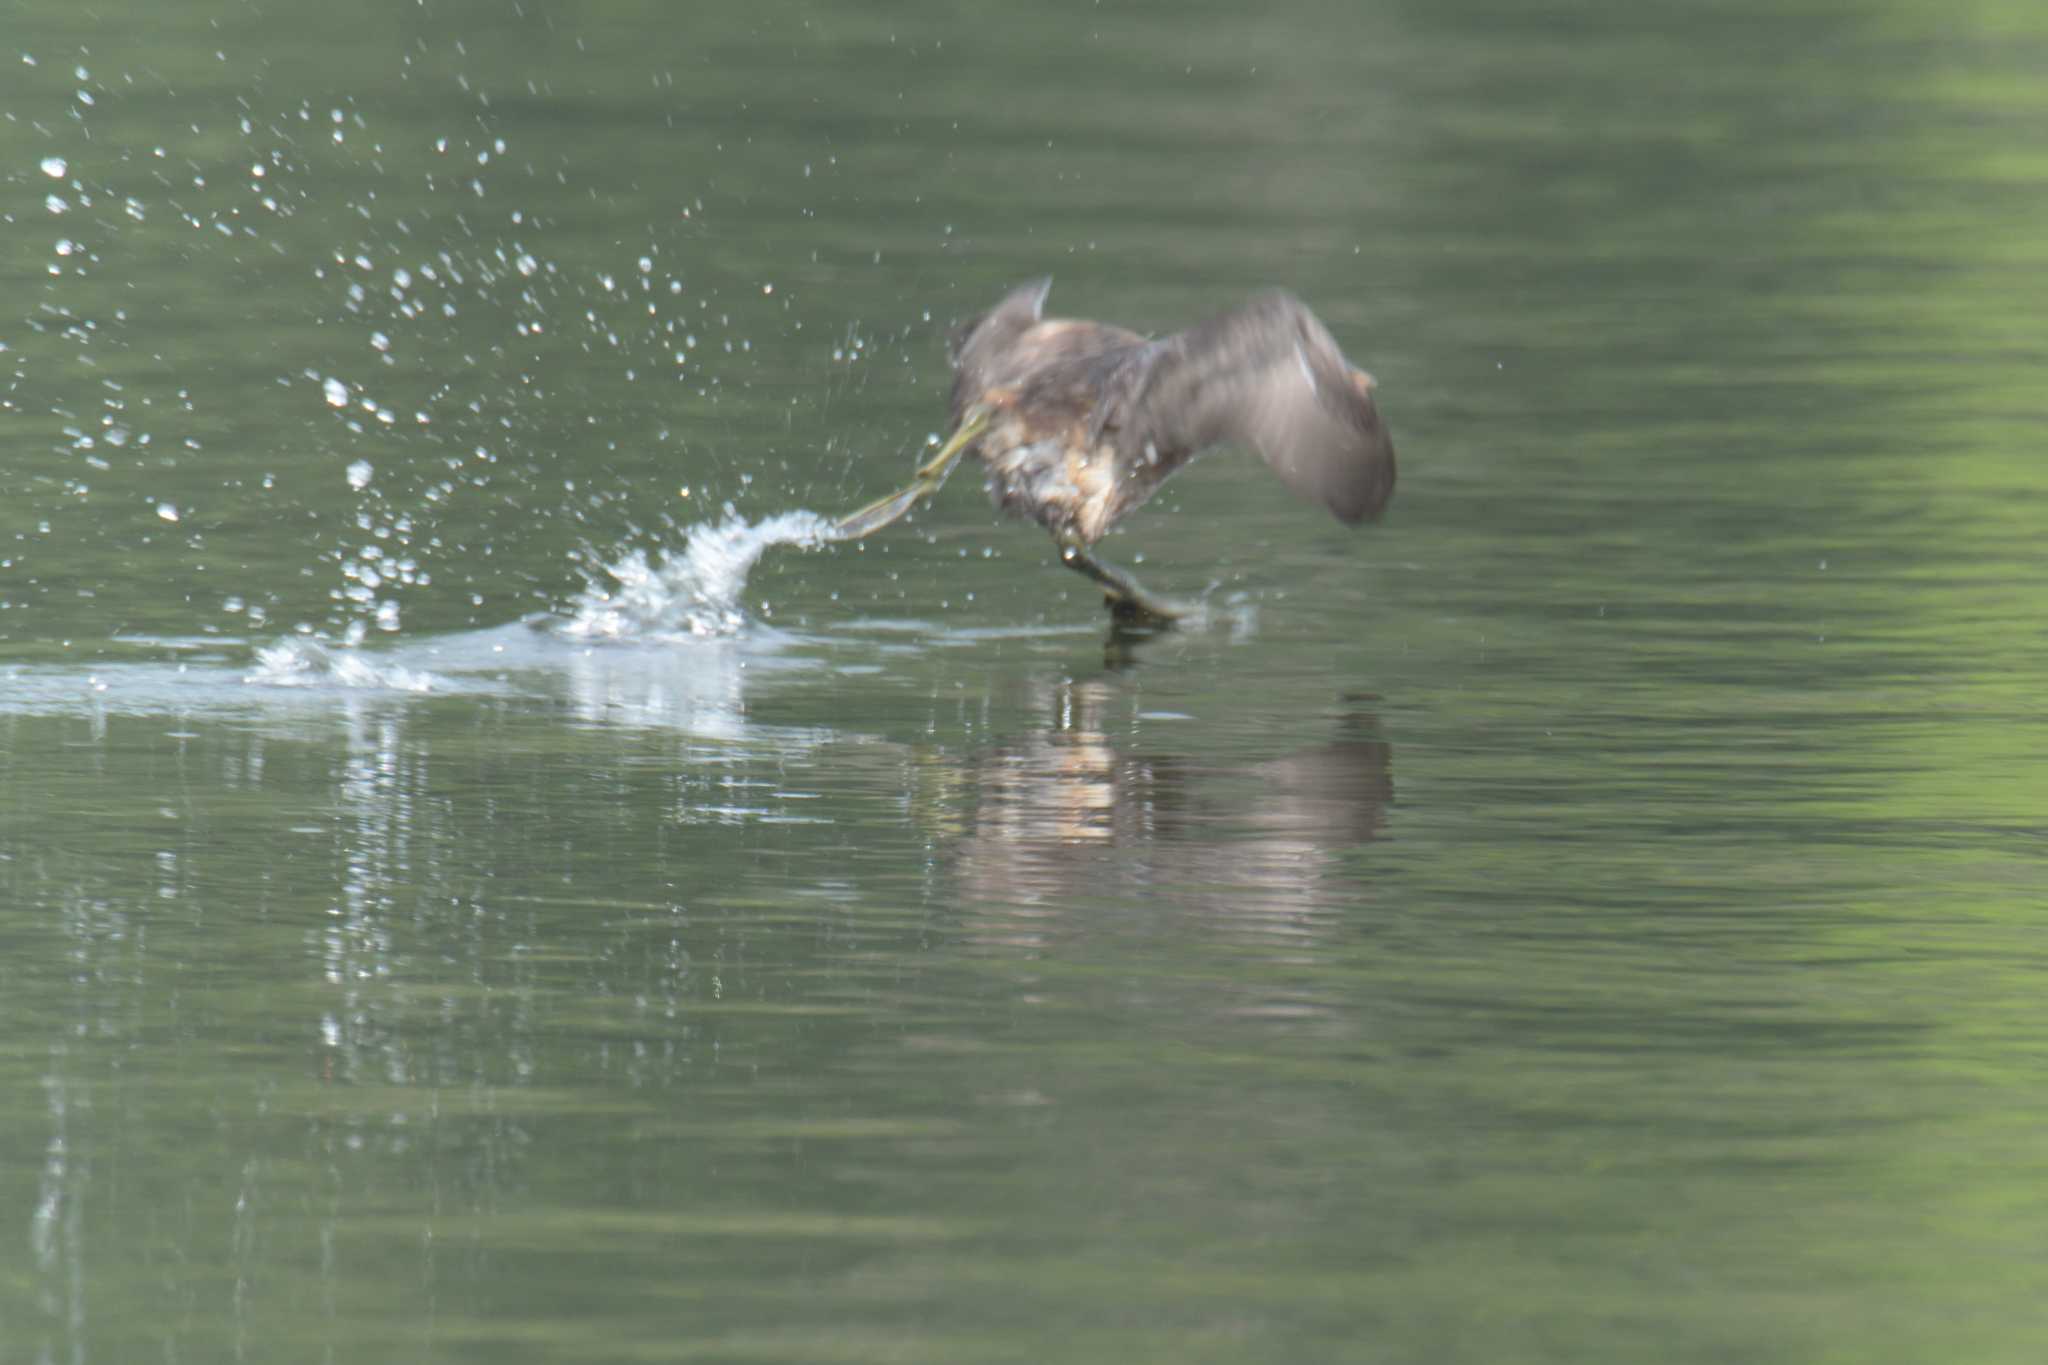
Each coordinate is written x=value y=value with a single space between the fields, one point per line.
x=1127 y=599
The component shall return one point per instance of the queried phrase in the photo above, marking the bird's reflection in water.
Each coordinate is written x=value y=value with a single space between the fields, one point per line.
x=1068 y=833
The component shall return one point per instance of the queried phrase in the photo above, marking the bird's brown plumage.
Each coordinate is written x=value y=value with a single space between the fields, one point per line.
x=1087 y=420
x=1079 y=422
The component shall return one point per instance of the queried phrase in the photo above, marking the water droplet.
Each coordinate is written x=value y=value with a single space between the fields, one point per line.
x=55 y=203
x=54 y=167
x=168 y=511
x=359 y=474
x=336 y=391
x=379 y=341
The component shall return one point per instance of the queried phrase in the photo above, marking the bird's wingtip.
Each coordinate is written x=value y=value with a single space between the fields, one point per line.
x=1025 y=303
x=1035 y=291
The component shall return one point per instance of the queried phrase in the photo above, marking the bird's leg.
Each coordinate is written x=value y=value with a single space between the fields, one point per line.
x=1126 y=598
x=930 y=477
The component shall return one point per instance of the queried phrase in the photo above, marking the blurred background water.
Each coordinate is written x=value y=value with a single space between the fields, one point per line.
x=475 y=884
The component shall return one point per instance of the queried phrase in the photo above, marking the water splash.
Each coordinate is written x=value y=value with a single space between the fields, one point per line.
x=308 y=663
x=694 y=593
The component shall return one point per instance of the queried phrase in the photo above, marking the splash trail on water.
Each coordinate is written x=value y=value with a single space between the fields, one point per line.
x=311 y=663
x=695 y=593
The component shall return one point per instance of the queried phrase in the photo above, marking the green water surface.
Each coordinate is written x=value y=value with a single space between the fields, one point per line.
x=1597 y=915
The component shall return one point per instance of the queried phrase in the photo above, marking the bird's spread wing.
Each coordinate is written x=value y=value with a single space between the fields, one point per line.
x=1268 y=375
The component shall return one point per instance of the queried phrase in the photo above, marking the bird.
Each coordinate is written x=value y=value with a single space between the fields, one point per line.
x=1078 y=423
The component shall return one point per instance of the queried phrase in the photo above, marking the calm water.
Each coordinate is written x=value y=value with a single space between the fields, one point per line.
x=465 y=895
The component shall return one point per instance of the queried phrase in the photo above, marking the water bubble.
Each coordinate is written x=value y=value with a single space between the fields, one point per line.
x=359 y=475
x=54 y=167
